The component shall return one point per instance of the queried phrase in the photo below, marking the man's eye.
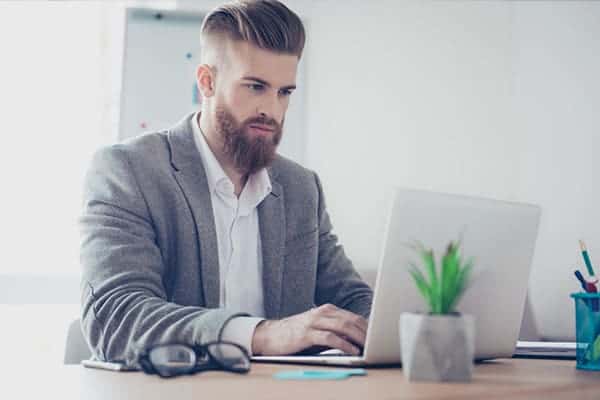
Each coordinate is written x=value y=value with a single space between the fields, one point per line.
x=255 y=87
x=285 y=92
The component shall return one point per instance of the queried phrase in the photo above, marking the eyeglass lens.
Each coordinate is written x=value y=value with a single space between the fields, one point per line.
x=172 y=359
x=229 y=356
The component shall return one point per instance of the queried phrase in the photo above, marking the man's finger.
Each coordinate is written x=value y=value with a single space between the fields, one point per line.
x=341 y=327
x=336 y=312
x=330 y=339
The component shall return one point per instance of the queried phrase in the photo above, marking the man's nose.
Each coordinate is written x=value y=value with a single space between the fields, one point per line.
x=271 y=107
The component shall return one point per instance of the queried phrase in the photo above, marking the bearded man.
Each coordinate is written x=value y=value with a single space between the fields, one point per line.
x=202 y=232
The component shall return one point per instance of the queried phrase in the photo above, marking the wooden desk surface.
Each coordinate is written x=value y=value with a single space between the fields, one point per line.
x=500 y=379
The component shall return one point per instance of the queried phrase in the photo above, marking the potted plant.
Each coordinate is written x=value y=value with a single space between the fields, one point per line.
x=439 y=346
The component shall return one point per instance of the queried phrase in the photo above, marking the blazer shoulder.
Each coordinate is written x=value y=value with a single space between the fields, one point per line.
x=146 y=151
x=287 y=171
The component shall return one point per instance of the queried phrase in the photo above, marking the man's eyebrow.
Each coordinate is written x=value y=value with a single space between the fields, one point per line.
x=267 y=84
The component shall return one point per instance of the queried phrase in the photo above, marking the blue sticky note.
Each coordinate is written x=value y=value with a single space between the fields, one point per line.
x=319 y=374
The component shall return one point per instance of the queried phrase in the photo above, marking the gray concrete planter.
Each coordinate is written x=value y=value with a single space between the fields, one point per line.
x=437 y=347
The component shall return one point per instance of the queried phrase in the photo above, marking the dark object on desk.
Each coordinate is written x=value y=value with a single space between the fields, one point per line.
x=169 y=360
x=546 y=350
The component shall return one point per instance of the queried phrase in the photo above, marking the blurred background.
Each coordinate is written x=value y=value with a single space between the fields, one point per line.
x=494 y=98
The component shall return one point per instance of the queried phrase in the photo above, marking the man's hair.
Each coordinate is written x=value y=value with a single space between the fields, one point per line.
x=267 y=24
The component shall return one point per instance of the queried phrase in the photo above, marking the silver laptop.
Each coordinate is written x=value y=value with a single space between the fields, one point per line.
x=499 y=235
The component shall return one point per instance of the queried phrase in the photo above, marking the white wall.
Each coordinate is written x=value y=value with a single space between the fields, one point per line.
x=497 y=99
x=558 y=103
x=415 y=94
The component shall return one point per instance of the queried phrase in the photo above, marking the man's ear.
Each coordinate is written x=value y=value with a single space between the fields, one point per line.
x=205 y=79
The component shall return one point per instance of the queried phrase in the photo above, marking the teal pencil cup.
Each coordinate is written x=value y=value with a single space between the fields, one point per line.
x=587 y=330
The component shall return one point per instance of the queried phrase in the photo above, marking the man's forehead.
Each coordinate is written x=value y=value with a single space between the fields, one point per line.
x=246 y=60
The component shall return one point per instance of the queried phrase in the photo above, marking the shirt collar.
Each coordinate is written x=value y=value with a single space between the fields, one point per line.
x=258 y=186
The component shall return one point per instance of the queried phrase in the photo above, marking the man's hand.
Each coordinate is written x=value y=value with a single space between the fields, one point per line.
x=327 y=326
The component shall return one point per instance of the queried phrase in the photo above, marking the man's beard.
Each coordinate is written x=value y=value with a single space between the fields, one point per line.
x=249 y=154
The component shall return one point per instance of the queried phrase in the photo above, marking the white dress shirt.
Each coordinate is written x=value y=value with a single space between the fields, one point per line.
x=238 y=239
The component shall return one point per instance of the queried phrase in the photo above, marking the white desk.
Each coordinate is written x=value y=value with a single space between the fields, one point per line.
x=501 y=379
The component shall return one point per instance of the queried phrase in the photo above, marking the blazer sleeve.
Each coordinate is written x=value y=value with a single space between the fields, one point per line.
x=337 y=280
x=124 y=307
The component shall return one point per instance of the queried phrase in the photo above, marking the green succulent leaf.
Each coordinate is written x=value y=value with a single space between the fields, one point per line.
x=461 y=283
x=429 y=261
x=450 y=265
x=422 y=284
x=446 y=286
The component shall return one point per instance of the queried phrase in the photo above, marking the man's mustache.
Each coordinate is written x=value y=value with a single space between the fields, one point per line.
x=262 y=121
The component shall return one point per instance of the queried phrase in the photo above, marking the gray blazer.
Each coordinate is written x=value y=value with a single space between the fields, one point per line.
x=149 y=247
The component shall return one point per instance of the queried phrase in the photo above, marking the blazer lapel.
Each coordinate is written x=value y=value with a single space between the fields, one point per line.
x=191 y=177
x=271 y=215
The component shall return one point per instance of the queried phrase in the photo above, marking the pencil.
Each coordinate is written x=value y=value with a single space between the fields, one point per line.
x=586 y=258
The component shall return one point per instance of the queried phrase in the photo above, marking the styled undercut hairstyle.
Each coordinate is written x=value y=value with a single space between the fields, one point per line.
x=267 y=24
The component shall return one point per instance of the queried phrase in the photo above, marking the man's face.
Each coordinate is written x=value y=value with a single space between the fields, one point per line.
x=252 y=94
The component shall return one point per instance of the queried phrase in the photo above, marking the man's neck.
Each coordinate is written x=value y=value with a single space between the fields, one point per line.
x=216 y=145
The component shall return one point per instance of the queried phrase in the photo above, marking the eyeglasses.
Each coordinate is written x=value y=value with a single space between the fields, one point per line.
x=168 y=360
